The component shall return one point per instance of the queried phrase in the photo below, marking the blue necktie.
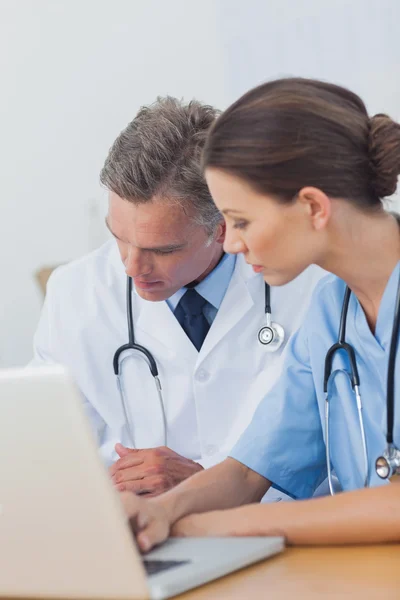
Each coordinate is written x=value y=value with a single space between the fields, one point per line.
x=189 y=313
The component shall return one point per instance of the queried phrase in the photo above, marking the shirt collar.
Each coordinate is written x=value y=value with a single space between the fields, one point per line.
x=213 y=287
x=383 y=332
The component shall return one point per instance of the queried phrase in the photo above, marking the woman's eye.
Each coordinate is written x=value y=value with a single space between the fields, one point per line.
x=240 y=224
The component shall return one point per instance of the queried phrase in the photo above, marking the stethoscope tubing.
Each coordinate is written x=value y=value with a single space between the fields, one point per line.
x=391 y=453
x=276 y=338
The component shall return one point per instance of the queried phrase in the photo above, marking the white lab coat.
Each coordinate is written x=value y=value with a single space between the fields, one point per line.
x=210 y=396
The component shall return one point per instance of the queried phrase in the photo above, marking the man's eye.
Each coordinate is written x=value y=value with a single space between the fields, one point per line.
x=162 y=252
x=240 y=225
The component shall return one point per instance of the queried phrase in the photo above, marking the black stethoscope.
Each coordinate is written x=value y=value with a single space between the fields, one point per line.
x=271 y=335
x=388 y=464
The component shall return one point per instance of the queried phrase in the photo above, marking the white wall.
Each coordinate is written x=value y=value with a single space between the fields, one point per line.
x=74 y=72
x=355 y=43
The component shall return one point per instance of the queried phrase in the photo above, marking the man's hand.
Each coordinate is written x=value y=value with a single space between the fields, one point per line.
x=148 y=519
x=151 y=471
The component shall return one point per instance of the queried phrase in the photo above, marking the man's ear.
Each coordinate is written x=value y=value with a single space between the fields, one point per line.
x=221 y=231
x=317 y=206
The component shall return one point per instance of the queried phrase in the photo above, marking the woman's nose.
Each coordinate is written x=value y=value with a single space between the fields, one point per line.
x=233 y=243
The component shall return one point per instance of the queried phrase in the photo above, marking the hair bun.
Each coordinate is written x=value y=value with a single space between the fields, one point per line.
x=384 y=154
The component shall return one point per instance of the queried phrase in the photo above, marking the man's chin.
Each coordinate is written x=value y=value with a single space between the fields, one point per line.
x=156 y=295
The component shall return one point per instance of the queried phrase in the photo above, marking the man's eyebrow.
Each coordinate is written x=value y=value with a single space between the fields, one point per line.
x=228 y=211
x=166 y=248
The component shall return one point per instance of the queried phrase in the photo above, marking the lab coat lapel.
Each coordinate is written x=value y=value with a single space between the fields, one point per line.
x=157 y=321
x=237 y=301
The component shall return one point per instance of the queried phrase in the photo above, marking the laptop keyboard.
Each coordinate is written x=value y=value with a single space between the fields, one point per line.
x=152 y=567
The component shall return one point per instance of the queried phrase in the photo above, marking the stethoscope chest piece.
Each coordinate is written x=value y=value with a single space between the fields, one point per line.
x=271 y=336
x=387 y=466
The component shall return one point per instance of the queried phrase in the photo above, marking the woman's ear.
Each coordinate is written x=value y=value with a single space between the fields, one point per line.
x=317 y=206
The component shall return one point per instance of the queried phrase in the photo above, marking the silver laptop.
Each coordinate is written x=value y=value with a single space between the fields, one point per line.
x=63 y=533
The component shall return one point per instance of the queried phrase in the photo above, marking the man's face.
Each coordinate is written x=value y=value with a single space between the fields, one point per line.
x=160 y=245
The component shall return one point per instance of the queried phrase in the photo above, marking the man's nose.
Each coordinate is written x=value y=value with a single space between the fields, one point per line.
x=137 y=263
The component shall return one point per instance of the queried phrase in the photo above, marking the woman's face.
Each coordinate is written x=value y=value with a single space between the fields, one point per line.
x=279 y=240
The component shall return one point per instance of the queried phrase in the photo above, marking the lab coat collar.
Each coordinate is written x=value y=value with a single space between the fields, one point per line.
x=155 y=319
x=238 y=300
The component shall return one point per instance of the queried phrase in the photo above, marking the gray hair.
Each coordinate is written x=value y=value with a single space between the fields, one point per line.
x=159 y=154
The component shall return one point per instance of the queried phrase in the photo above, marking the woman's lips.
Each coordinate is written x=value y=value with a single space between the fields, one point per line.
x=257 y=268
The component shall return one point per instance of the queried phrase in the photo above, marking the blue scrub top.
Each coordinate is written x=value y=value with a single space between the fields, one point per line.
x=285 y=442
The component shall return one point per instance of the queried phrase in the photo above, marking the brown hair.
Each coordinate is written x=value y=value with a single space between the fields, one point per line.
x=159 y=154
x=291 y=133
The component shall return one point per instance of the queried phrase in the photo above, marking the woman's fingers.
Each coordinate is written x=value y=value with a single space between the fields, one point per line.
x=154 y=532
x=131 y=503
x=148 y=520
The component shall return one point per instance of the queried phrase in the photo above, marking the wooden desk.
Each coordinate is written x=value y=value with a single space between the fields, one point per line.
x=364 y=572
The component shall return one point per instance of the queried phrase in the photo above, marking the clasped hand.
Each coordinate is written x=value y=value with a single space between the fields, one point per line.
x=151 y=471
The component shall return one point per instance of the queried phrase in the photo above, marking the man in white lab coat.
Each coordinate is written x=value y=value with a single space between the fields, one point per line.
x=197 y=310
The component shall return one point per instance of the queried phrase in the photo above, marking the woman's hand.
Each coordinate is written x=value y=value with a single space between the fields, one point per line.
x=148 y=519
x=249 y=520
x=218 y=523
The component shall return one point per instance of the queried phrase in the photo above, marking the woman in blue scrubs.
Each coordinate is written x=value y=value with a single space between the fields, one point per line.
x=299 y=171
